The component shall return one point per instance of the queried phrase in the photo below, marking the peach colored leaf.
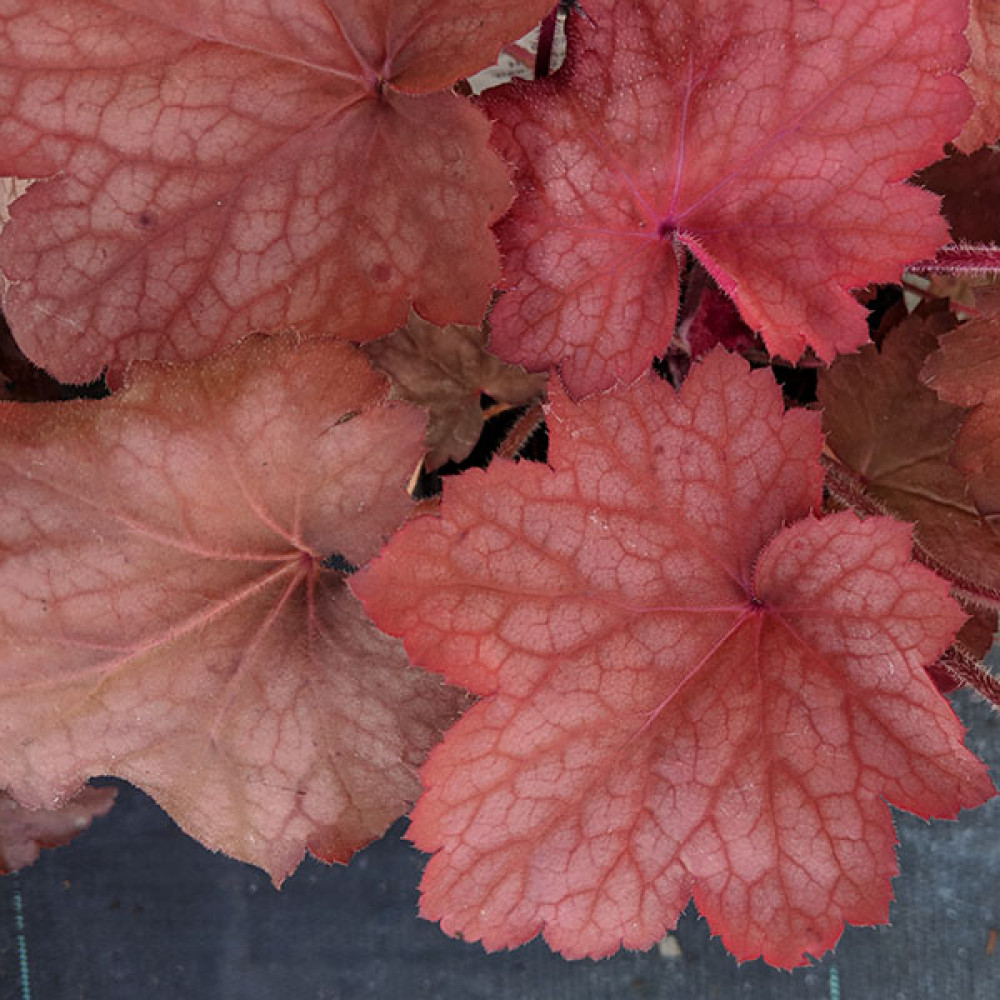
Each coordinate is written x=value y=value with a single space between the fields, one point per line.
x=691 y=686
x=983 y=76
x=446 y=370
x=892 y=439
x=219 y=168
x=25 y=832
x=167 y=615
x=896 y=436
x=770 y=139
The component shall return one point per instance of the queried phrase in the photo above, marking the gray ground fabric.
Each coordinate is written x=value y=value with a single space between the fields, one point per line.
x=134 y=910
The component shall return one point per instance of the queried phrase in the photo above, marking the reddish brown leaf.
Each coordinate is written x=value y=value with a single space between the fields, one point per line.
x=167 y=617
x=446 y=370
x=222 y=168
x=25 y=832
x=690 y=684
x=983 y=75
x=897 y=436
x=769 y=140
x=971 y=189
x=966 y=371
x=978 y=634
x=966 y=368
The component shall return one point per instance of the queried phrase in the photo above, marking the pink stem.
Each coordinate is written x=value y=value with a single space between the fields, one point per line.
x=524 y=427
x=961 y=665
x=973 y=259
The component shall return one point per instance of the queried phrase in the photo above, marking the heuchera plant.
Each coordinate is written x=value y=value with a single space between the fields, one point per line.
x=696 y=651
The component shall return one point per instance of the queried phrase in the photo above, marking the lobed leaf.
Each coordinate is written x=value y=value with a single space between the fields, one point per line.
x=897 y=436
x=770 y=140
x=217 y=169
x=167 y=616
x=690 y=685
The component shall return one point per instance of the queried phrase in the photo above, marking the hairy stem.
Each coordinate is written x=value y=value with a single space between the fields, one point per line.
x=962 y=260
x=963 y=667
x=520 y=433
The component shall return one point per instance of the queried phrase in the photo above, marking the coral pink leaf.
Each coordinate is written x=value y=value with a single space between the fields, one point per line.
x=25 y=832
x=771 y=140
x=167 y=615
x=691 y=685
x=983 y=76
x=223 y=168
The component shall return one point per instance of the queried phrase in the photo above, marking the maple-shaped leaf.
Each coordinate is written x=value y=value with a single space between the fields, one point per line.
x=691 y=685
x=897 y=437
x=166 y=614
x=24 y=833
x=769 y=139
x=983 y=75
x=965 y=370
x=223 y=168
x=447 y=369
